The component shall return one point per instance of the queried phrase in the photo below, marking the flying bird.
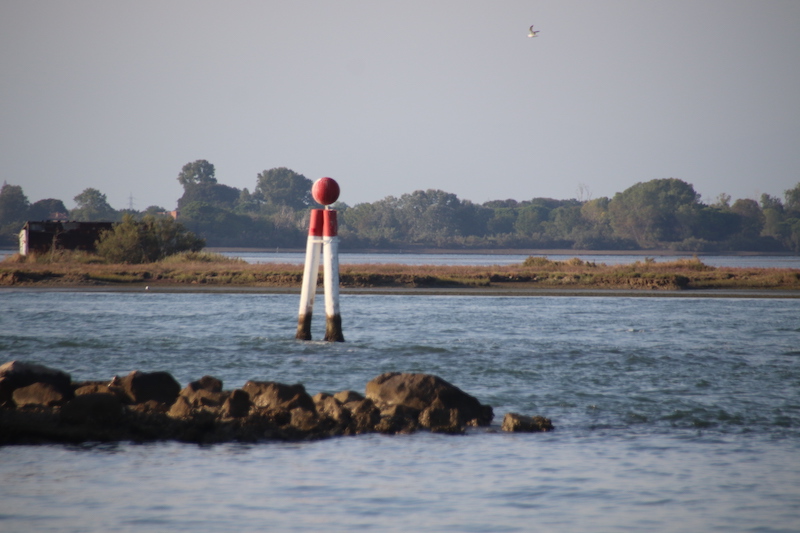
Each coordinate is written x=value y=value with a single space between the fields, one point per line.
x=532 y=33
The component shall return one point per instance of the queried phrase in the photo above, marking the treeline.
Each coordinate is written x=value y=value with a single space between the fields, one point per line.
x=657 y=214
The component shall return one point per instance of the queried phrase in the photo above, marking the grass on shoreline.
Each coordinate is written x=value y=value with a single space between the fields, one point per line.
x=75 y=269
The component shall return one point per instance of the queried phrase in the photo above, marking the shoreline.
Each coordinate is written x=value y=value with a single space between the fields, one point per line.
x=521 y=292
x=502 y=251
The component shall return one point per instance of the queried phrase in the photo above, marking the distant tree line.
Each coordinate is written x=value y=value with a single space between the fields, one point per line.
x=657 y=214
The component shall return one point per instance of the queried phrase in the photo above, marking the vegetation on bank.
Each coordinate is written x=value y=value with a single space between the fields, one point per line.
x=74 y=269
x=665 y=214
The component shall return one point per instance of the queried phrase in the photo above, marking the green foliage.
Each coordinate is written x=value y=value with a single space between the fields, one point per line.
x=146 y=241
x=46 y=209
x=199 y=172
x=284 y=187
x=215 y=194
x=13 y=204
x=13 y=212
x=92 y=206
x=654 y=212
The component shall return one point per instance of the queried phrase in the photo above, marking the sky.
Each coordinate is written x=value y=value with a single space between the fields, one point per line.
x=394 y=96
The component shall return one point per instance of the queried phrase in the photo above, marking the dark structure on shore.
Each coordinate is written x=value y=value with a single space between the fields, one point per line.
x=43 y=236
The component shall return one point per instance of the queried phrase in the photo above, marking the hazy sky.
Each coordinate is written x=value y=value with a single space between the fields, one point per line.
x=388 y=97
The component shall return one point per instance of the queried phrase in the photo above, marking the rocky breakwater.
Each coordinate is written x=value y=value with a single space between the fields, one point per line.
x=43 y=405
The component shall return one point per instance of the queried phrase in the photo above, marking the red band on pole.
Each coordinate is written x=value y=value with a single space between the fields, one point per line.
x=331 y=227
x=315 y=223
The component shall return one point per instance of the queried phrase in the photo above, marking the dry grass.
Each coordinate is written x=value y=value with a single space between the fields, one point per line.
x=218 y=270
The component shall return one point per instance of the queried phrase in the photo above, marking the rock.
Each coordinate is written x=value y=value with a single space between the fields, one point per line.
x=518 y=423
x=237 y=405
x=439 y=419
x=101 y=388
x=208 y=383
x=329 y=407
x=203 y=398
x=278 y=396
x=304 y=420
x=420 y=391
x=181 y=408
x=39 y=394
x=347 y=396
x=205 y=392
x=150 y=406
x=398 y=419
x=143 y=387
x=143 y=407
x=364 y=416
x=97 y=408
x=17 y=374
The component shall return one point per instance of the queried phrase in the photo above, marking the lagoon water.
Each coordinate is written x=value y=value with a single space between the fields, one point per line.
x=490 y=259
x=671 y=414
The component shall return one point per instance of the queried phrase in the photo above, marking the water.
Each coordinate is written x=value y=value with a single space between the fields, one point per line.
x=737 y=261
x=671 y=414
x=490 y=259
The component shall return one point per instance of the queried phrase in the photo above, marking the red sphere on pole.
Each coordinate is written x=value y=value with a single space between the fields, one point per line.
x=325 y=191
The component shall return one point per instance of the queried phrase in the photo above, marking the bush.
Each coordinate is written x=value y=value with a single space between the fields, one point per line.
x=146 y=241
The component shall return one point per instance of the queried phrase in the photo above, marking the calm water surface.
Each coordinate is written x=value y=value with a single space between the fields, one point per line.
x=671 y=415
x=738 y=261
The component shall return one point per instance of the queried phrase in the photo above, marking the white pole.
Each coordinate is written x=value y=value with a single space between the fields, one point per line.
x=310 y=274
x=330 y=249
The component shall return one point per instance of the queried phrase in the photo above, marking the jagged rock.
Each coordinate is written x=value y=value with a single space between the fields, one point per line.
x=151 y=406
x=328 y=406
x=142 y=387
x=439 y=419
x=278 y=395
x=304 y=420
x=181 y=408
x=39 y=394
x=209 y=383
x=420 y=391
x=100 y=388
x=203 y=398
x=364 y=416
x=519 y=423
x=398 y=419
x=237 y=405
x=17 y=374
x=97 y=408
x=347 y=396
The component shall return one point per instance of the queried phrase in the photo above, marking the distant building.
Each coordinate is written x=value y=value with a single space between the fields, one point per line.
x=43 y=236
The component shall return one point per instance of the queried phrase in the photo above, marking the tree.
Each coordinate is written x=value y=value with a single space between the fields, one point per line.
x=774 y=217
x=46 y=209
x=199 y=172
x=215 y=194
x=530 y=219
x=284 y=187
x=792 y=197
x=654 y=212
x=751 y=218
x=430 y=216
x=92 y=205
x=146 y=241
x=13 y=205
x=376 y=222
x=200 y=185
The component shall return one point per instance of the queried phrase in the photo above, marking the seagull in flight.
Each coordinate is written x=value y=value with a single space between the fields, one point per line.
x=532 y=33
